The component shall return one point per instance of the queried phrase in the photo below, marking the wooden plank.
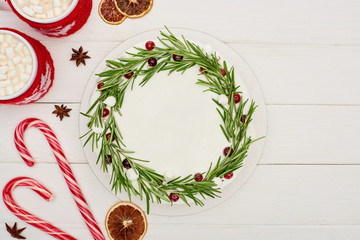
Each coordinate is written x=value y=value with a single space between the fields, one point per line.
x=277 y=21
x=273 y=195
x=297 y=74
x=296 y=134
x=218 y=231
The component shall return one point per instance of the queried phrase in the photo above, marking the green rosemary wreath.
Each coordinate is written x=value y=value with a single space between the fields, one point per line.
x=174 y=55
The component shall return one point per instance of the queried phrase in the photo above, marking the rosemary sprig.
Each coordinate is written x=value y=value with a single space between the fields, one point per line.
x=150 y=184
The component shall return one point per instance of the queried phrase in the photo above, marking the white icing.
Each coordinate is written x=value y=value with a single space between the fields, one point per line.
x=131 y=174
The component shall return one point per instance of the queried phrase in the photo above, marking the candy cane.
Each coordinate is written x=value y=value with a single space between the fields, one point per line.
x=26 y=216
x=64 y=166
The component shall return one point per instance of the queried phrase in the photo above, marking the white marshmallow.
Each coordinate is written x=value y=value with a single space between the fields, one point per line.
x=8 y=38
x=9 y=90
x=4 y=69
x=110 y=101
x=10 y=65
x=57 y=11
x=5 y=83
x=2 y=37
x=57 y=3
x=24 y=76
x=2 y=92
x=22 y=84
x=2 y=56
x=28 y=68
x=17 y=88
x=35 y=2
x=26 y=59
x=38 y=9
x=21 y=67
x=12 y=74
x=9 y=51
x=42 y=16
x=15 y=80
x=16 y=60
x=20 y=2
x=50 y=14
x=19 y=46
x=29 y=11
x=3 y=77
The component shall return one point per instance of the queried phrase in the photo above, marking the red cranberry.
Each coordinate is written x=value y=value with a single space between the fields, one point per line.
x=108 y=135
x=226 y=151
x=129 y=75
x=223 y=72
x=152 y=62
x=177 y=58
x=243 y=118
x=229 y=175
x=108 y=159
x=202 y=70
x=100 y=85
x=106 y=112
x=198 y=177
x=174 y=197
x=126 y=164
x=237 y=98
x=150 y=45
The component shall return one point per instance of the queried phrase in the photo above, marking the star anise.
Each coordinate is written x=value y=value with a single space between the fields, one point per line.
x=79 y=56
x=14 y=232
x=62 y=111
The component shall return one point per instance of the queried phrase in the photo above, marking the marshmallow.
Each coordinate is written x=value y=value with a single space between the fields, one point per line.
x=38 y=9
x=19 y=46
x=16 y=60
x=9 y=51
x=4 y=69
x=15 y=80
x=24 y=76
x=21 y=66
x=2 y=92
x=3 y=77
x=56 y=3
x=2 y=37
x=50 y=14
x=57 y=11
x=12 y=74
x=35 y=2
x=9 y=90
x=2 y=56
x=26 y=59
x=28 y=68
x=29 y=11
x=8 y=38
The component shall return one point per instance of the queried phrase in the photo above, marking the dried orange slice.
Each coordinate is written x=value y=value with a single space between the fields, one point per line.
x=134 y=8
x=126 y=221
x=109 y=13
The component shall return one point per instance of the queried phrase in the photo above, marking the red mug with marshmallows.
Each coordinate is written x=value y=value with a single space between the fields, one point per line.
x=54 y=18
x=26 y=68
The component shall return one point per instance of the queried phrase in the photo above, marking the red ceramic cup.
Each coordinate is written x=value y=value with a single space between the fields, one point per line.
x=63 y=25
x=40 y=78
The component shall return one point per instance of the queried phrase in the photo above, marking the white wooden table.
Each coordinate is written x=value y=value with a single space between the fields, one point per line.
x=306 y=56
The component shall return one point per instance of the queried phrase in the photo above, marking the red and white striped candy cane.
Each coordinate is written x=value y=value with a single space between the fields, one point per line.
x=64 y=166
x=26 y=216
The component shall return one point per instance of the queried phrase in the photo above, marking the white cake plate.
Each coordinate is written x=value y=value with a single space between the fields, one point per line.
x=242 y=71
